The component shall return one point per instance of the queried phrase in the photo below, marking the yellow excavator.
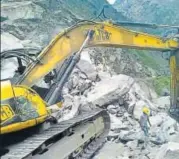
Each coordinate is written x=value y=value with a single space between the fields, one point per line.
x=25 y=106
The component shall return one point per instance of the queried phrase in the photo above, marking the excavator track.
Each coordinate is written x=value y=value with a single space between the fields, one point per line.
x=41 y=145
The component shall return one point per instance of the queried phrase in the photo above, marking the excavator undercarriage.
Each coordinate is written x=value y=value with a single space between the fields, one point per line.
x=79 y=137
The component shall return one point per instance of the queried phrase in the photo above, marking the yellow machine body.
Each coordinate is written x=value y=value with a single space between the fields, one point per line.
x=32 y=109
x=21 y=108
x=174 y=69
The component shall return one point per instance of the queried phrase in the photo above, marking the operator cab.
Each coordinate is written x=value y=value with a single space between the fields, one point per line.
x=19 y=109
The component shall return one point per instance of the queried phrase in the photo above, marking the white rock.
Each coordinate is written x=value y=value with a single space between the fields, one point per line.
x=121 y=101
x=9 y=42
x=85 y=56
x=68 y=114
x=157 y=119
x=88 y=69
x=160 y=137
x=8 y=68
x=163 y=133
x=109 y=90
x=112 y=135
x=22 y=10
x=132 y=144
x=140 y=94
x=129 y=135
x=111 y=107
x=111 y=151
x=171 y=131
x=103 y=75
x=112 y=111
x=115 y=122
x=147 y=90
x=163 y=102
x=169 y=151
x=168 y=123
x=75 y=80
x=68 y=100
x=175 y=138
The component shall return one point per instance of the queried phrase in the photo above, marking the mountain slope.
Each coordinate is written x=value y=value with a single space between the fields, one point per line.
x=40 y=20
x=153 y=11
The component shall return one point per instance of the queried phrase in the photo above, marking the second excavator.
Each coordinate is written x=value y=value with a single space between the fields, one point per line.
x=24 y=106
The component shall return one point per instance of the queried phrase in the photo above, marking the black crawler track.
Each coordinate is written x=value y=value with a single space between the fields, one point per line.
x=37 y=143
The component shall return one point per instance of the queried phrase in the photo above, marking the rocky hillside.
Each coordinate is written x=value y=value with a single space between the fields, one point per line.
x=40 y=20
x=151 y=11
x=34 y=23
x=123 y=97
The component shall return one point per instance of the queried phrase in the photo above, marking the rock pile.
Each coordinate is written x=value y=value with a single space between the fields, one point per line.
x=123 y=97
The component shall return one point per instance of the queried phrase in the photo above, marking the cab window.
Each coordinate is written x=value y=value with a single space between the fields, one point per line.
x=25 y=109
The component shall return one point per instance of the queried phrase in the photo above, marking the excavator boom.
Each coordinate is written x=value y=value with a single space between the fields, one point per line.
x=105 y=34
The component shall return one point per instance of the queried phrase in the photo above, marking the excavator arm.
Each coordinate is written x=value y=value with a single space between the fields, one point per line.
x=105 y=34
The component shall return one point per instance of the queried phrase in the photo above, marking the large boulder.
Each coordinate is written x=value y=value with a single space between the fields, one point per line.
x=8 y=66
x=68 y=100
x=112 y=150
x=101 y=74
x=116 y=123
x=132 y=145
x=109 y=90
x=147 y=89
x=169 y=151
x=85 y=56
x=9 y=42
x=158 y=119
x=170 y=125
x=19 y=10
x=71 y=107
x=126 y=136
x=141 y=94
x=163 y=102
x=163 y=128
x=88 y=69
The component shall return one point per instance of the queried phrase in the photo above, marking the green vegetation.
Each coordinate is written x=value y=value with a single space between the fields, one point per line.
x=160 y=83
x=3 y=19
x=145 y=58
